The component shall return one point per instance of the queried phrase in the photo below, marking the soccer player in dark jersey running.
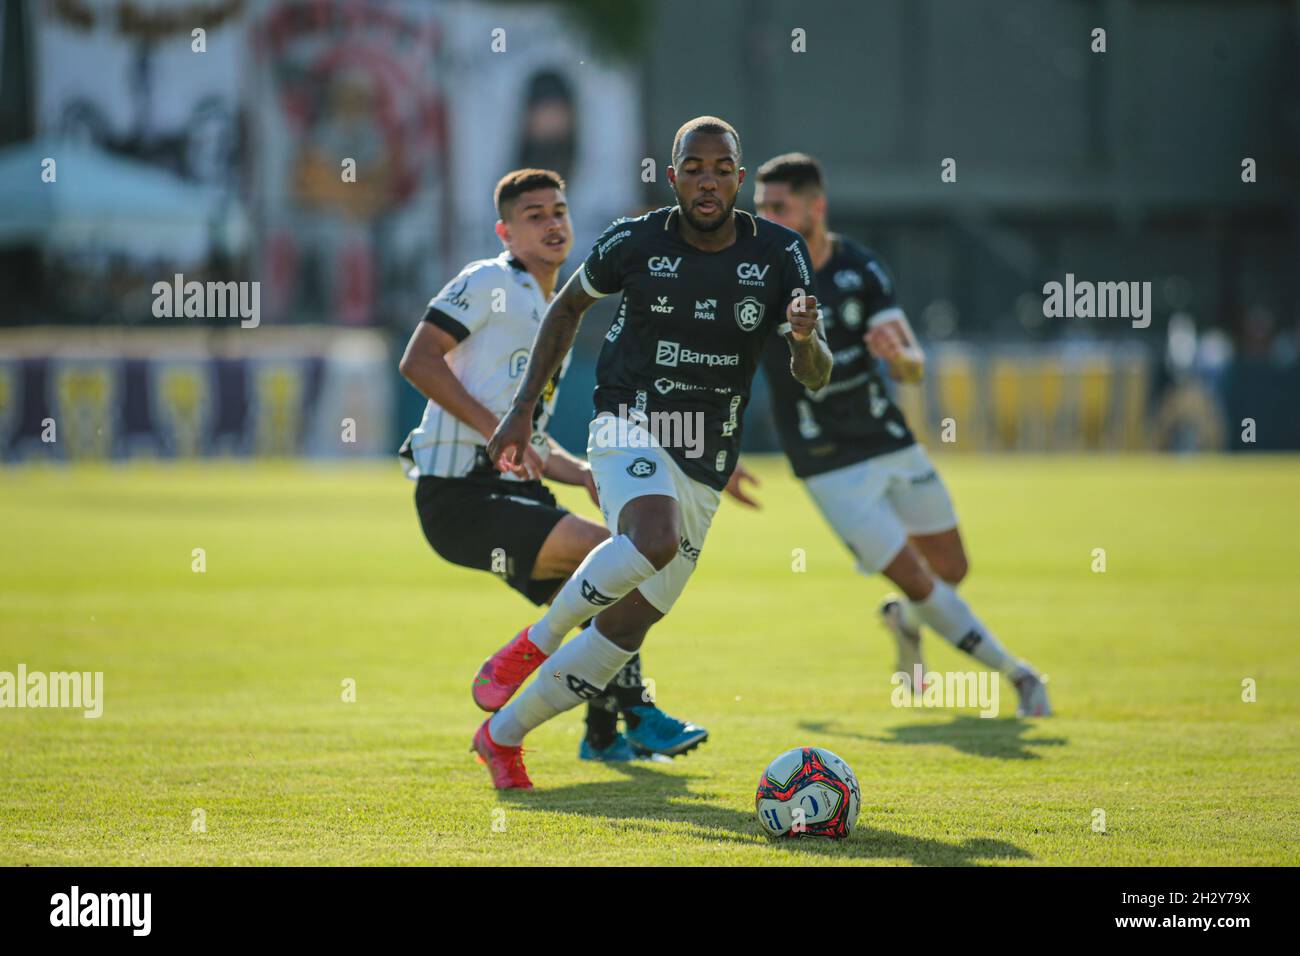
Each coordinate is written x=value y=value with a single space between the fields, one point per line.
x=851 y=446
x=466 y=358
x=704 y=288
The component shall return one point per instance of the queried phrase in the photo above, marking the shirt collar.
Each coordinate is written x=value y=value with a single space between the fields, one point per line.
x=741 y=216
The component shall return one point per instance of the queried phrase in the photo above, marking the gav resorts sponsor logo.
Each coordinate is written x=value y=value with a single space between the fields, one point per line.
x=662 y=267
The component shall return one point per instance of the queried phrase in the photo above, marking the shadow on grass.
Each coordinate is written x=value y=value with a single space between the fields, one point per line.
x=978 y=736
x=648 y=798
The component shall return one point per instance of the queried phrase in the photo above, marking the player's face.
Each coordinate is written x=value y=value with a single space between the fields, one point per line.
x=538 y=227
x=706 y=179
x=777 y=202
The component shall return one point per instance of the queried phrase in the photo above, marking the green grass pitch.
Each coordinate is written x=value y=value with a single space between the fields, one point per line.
x=223 y=690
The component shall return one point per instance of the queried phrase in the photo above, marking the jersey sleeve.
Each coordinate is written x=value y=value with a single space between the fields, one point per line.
x=796 y=276
x=602 y=272
x=463 y=304
x=878 y=292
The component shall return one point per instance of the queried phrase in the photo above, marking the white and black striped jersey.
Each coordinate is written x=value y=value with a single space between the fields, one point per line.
x=492 y=309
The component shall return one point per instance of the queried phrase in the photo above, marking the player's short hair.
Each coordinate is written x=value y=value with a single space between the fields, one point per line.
x=514 y=184
x=797 y=170
x=705 y=124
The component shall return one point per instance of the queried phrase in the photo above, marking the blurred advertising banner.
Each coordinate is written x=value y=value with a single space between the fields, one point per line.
x=88 y=395
x=1019 y=398
x=380 y=131
x=525 y=91
x=138 y=94
x=350 y=150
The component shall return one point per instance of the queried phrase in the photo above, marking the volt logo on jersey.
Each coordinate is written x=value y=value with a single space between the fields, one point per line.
x=749 y=313
x=751 y=273
x=662 y=305
x=662 y=267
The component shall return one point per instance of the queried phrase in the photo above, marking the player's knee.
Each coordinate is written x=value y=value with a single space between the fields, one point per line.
x=627 y=639
x=953 y=568
x=910 y=576
x=657 y=541
x=917 y=587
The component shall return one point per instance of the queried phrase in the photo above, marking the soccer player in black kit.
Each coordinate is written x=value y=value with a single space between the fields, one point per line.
x=850 y=444
x=704 y=289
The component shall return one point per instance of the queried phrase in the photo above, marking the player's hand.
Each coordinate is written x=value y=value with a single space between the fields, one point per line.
x=803 y=322
x=735 y=486
x=532 y=468
x=510 y=443
x=892 y=344
x=885 y=342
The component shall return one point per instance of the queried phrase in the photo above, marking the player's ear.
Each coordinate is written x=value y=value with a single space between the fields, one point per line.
x=819 y=206
x=740 y=176
x=503 y=231
x=672 y=176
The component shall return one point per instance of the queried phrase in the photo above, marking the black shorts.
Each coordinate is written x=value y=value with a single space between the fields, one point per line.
x=492 y=525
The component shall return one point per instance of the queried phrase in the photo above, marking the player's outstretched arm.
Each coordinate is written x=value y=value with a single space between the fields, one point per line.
x=554 y=339
x=894 y=341
x=810 y=358
x=569 y=469
x=424 y=365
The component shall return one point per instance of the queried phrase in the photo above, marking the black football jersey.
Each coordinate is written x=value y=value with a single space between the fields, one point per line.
x=692 y=325
x=853 y=418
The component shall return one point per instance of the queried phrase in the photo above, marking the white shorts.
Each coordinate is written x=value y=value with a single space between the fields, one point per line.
x=627 y=471
x=876 y=504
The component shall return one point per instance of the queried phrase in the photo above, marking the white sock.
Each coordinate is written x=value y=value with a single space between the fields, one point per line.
x=579 y=671
x=611 y=570
x=947 y=613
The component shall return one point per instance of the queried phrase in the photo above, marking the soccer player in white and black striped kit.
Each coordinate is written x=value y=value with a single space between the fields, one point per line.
x=704 y=288
x=850 y=445
x=466 y=357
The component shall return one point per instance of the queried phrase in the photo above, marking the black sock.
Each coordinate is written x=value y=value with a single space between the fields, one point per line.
x=628 y=690
x=602 y=721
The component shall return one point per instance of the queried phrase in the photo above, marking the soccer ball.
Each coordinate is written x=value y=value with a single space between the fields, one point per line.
x=808 y=791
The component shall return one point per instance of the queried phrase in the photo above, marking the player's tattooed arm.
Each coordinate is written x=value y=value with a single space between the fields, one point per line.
x=810 y=358
x=554 y=339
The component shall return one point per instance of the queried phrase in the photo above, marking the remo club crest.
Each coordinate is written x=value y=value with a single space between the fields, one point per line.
x=749 y=312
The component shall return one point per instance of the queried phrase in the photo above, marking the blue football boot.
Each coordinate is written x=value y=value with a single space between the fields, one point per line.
x=657 y=733
x=617 y=752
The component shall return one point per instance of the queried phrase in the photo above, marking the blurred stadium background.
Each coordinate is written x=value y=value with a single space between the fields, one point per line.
x=224 y=165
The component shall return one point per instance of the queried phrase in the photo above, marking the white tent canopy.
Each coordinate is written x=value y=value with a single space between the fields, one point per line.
x=97 y=200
